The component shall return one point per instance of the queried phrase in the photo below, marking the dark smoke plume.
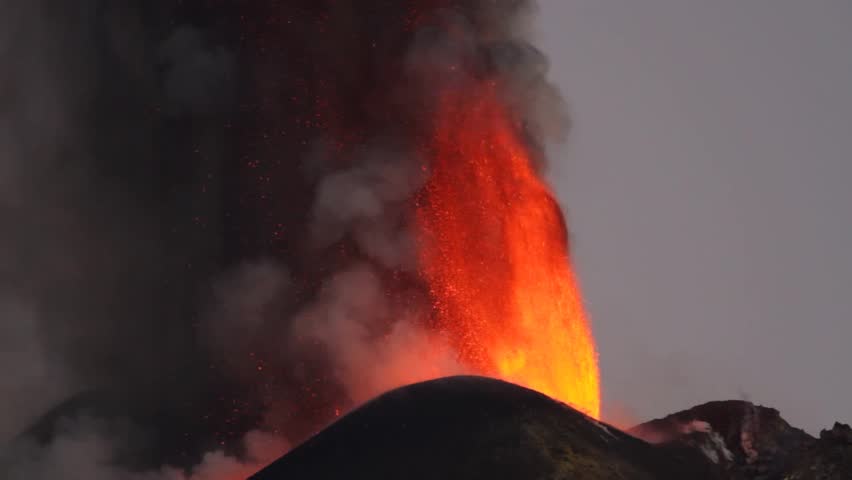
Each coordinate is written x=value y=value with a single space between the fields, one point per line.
x=207 y=251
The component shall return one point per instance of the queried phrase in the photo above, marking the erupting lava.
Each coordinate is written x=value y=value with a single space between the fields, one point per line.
x=493 y=251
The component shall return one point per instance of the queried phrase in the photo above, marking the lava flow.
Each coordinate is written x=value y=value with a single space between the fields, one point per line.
x=493 y=251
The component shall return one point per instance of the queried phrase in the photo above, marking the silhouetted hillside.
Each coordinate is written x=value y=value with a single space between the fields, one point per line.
x=471 y=428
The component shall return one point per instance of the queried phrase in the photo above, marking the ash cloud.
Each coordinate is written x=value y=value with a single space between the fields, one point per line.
x=99 y=145
x=207 y=249
x=371 y=201
x=375 y=345
x=86 y=450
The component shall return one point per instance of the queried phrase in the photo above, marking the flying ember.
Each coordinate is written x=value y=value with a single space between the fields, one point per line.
x=493 y=250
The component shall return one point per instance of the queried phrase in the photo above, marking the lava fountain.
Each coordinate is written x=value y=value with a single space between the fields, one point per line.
x=493 y=251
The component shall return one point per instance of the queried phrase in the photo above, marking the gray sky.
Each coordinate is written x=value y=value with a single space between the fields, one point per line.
x=706 y=183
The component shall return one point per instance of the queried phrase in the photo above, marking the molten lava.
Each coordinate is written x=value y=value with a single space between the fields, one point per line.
x=493 y=251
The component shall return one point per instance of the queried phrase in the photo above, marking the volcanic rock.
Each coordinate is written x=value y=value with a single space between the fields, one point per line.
x=840 y=433
x=829 y=458
x=751 y=442
x=473 y=427
x=745 y=440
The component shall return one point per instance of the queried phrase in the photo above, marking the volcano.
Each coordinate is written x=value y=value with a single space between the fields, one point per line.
x=474 y=427
x=250 y=218
x=469 y=427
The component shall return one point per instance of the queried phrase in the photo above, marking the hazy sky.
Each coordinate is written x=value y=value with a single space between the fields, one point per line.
x=707 y=185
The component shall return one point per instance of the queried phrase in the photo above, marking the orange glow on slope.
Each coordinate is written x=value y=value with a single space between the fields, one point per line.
x=493 y=251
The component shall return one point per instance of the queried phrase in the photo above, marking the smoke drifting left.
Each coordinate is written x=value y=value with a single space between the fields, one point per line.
x=204 y=204
x=115 y=126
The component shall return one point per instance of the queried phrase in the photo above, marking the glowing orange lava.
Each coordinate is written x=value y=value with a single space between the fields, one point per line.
x=493 y=250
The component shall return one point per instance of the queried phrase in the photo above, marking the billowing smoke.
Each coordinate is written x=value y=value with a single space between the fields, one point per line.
x=207 y=249
x=108 y=233
x=88 y=448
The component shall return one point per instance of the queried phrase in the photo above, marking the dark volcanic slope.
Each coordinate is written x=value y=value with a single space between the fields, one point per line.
x=471 y=428
x=751 y=442
x=746 y=440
